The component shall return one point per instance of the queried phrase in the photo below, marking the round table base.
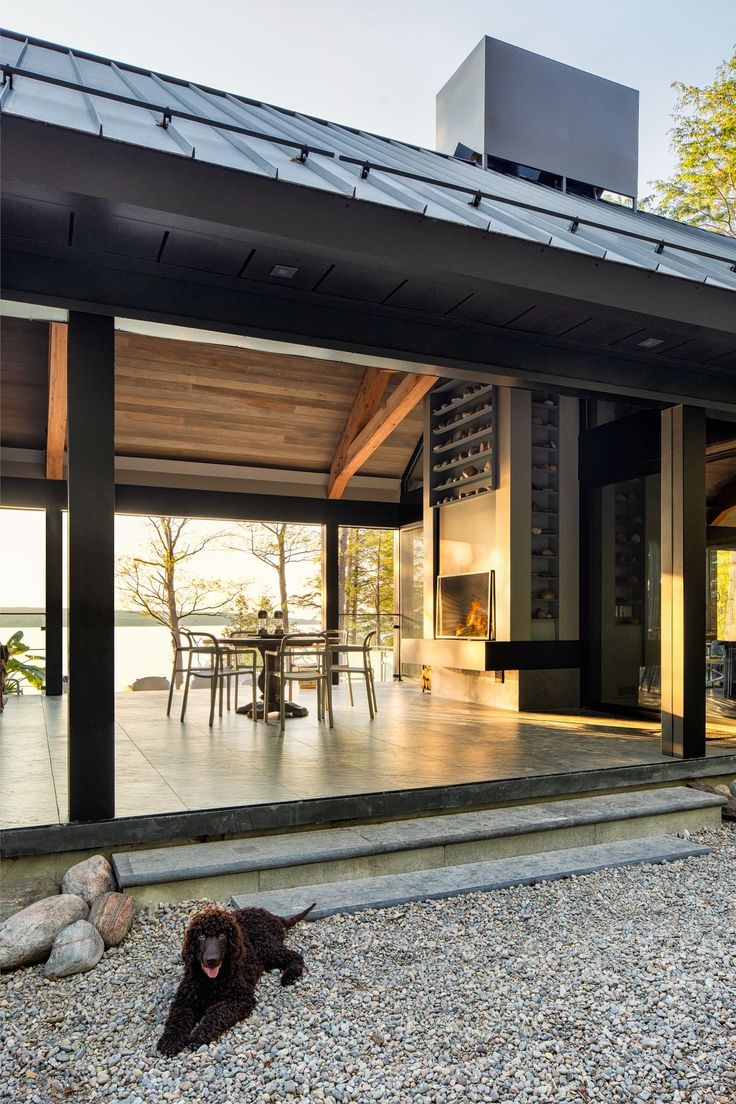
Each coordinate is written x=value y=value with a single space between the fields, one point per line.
x=290 y=708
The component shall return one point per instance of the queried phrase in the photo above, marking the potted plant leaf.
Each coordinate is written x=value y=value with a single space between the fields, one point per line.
x=15 y=666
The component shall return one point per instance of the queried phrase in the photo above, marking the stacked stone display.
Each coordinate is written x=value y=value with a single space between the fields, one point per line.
x=69 y=930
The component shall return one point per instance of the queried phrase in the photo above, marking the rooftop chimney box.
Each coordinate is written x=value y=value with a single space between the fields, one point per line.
x=515 y=106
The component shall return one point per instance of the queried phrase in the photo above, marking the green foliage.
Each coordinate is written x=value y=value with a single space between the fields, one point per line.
x=702 y=190
x=242 y=614
x=367 y=575
x=14 y=665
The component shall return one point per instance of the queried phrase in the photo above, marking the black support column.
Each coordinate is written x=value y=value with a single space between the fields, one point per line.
x=683 y=582
x=91 y=483
x=54 y=603
x=331 y=575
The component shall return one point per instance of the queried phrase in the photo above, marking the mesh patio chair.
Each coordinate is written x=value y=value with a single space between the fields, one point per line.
x=300 y=658
x=355 y=659
x=220 y=663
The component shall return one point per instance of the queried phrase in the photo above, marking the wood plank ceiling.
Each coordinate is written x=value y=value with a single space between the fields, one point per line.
x=182 y=400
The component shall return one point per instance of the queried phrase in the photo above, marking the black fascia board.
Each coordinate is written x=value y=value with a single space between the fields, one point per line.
x=456 y=351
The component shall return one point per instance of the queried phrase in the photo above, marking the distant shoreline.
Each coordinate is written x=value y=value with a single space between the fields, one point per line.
x=28 y=619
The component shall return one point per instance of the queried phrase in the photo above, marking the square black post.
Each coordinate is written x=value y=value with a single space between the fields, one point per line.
x=331 y=574
x=54 y=603
x=91 y=486
x=683 y=582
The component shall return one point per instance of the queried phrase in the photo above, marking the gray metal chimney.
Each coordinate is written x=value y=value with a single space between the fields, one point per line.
x=537 y=118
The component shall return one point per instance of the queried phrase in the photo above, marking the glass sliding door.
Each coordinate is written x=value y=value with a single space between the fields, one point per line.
x=411 y=590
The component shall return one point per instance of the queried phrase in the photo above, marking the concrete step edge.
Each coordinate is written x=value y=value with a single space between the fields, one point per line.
x=443 y=882
x=239 y=856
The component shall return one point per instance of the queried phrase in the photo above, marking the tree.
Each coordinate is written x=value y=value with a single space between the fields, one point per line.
x=279 y=544
x=157 y=583
x=367 y=575
x=702 y=190
x=242 y=615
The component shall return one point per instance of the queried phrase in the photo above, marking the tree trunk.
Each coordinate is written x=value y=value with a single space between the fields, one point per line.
x=173 y=611
x=283 y=593
x=342 y=565
x=354 y=588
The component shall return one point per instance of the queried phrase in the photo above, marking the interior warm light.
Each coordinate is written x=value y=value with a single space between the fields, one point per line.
x=476 y=623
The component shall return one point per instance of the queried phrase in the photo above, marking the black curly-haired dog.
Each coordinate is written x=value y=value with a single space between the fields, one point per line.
x=225 y=954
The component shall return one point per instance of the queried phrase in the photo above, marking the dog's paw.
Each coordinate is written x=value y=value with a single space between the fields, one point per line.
x=169 y=1045
x=291 y=974
x=198 y=1039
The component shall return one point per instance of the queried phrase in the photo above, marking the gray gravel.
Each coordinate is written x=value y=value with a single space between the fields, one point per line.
x=618 y=986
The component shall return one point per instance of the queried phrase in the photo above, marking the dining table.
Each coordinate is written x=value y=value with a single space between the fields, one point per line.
x=265 y=644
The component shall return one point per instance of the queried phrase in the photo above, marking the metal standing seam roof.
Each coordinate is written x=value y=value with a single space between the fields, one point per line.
x=75 y=90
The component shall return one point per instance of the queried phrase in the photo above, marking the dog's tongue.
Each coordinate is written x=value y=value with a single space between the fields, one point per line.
x=211 y=971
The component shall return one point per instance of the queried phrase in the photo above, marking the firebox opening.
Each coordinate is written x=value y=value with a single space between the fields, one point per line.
x=465 y=606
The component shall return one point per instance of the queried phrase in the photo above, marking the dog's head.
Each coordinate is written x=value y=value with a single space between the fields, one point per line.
x=212 y=942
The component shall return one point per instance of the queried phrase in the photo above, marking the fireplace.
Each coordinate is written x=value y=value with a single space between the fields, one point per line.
x=465 y=606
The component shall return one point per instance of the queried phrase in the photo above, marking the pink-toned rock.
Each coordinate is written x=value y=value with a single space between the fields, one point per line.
x=27 y=936
x=77 y=948
x=113 y=914
x=89 y=879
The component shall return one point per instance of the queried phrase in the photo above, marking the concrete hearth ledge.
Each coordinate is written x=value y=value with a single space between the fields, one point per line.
x=227 y=857
x=452 y=881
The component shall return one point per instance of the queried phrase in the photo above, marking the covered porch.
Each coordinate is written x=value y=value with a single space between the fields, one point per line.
x=249 y=337
x=416 y=743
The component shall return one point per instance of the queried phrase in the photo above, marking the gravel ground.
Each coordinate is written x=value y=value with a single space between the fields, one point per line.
x=618 y=986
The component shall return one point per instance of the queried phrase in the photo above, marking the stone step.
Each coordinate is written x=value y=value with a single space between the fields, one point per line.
x=296 y=858
x=482 y=877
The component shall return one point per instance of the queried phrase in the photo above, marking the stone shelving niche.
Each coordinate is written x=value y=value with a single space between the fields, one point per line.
x=629 y=552
x=462 y=447
x=545 y=512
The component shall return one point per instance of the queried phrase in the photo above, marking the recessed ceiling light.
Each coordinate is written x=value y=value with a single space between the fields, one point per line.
x=651 y=342
x=284 y=271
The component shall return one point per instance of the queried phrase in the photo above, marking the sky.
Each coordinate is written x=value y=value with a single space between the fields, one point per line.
x=22 y=559
x=379 y=65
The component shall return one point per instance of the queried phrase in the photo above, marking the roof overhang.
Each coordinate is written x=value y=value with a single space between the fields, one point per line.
x=110 y=180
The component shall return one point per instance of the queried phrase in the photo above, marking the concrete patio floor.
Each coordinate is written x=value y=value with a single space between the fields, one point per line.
x=416 y=741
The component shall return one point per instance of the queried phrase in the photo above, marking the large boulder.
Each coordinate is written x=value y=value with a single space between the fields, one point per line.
x=27 y=936
x=113 y=914
x=25 y=893
x=76 y=949
x=89 y=879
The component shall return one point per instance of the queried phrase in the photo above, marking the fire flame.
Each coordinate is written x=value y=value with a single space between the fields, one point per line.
x=476 y=623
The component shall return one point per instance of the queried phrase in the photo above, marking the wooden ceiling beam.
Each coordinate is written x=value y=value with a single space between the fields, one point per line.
x=365 y=404
x=357 y=447
x=57 y=414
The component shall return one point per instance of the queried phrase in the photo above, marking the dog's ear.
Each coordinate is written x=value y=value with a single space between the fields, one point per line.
x=189 y=946
x=235 y=945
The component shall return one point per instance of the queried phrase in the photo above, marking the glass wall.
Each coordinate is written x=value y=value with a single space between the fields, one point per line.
x=366 y=590
x=720 y=647
x=627 y=588
x=23 y=589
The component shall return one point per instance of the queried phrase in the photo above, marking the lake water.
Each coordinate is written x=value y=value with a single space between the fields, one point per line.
x=140 y=650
